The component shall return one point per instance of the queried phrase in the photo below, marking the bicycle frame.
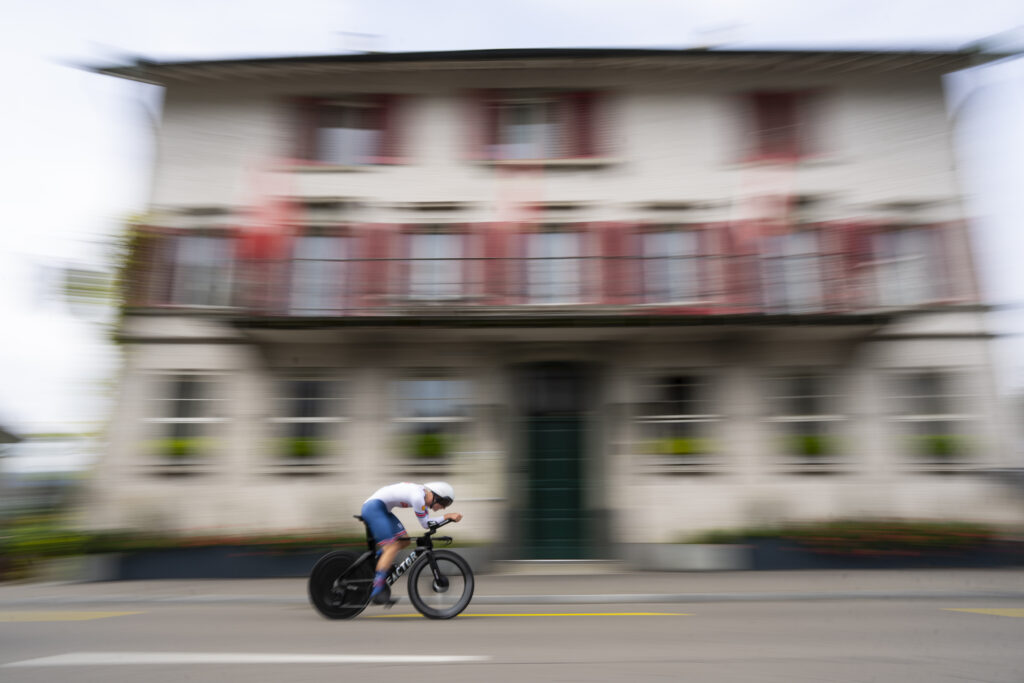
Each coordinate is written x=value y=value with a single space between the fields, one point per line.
x=424 y=547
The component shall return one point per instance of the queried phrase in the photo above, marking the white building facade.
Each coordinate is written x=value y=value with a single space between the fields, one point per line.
x=611 y=295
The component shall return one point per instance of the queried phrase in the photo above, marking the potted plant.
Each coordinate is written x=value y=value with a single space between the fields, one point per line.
x=682 y=446
x=179 y=449
x=302 y=448
x=940 y=447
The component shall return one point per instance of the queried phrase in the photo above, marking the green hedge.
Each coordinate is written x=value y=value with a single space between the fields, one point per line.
x=858 y=537
x=27 y=541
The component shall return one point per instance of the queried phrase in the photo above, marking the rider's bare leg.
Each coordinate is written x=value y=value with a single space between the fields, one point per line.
x=388 y=552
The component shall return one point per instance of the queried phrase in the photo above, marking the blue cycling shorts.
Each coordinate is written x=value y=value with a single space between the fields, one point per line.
x=384 y=526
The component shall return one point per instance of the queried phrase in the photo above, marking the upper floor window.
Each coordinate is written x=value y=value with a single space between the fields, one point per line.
x=543 y=124
x=671 y=266
x=201 y=271
x=319 y=274
x=780 y=125
x=353 y=130
x=555 y=267
x=906 y=266
x=791 y=268
x=436 y=264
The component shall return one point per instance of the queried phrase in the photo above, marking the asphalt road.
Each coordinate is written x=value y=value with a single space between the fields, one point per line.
x=826 y=641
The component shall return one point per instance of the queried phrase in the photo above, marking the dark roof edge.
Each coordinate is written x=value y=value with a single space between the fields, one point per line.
x=142 y=64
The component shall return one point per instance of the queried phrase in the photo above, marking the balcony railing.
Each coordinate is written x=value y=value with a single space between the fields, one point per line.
x=334 y=286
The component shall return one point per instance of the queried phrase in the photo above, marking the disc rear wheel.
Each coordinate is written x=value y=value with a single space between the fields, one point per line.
x=336 y=591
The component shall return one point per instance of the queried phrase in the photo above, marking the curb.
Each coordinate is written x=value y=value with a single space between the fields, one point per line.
x=620 y=598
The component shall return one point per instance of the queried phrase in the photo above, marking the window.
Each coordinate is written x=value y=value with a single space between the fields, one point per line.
x=671 y=266
x=780 y=125
x=554 y=267
x=311 y=413
x=804 y=407
x=202 y=271
x=350 y=131
x=184 y=415
x=436 y=266
x=539 y=125
x=320 y=274
x=905 y=266
x=929 y=405
x=677 y=418
x=791 y=266
x=432 y=414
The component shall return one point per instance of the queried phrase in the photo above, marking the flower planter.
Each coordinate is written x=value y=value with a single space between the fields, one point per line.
x=229 y=562
x=781 y=554
x=217 y=562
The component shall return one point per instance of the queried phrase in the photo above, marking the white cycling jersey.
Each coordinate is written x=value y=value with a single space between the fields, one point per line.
x=406 y=495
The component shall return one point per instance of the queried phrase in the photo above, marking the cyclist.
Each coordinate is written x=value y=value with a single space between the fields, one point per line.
x=389 y=532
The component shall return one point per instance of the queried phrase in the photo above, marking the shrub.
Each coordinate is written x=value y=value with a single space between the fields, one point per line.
x=866 y=537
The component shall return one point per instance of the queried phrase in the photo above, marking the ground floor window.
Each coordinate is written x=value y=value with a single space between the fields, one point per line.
x=311 y=416
x=805 y=412
x=184 y=415
x=432 y=417
x=676 y=418
x=931 y=409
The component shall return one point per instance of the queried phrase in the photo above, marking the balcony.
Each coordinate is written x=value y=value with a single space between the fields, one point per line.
x=598 y=276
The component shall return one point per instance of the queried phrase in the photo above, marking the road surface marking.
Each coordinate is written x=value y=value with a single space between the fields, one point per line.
x=999 y=612
x=59 y=616
x=547 y=614
x=149 y=658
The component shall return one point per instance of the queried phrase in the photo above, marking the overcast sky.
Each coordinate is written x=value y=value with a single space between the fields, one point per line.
x=76 y=146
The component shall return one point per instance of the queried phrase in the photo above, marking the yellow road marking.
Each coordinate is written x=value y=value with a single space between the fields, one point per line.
x=59 y=616
x=547 y=614
x=996 y=611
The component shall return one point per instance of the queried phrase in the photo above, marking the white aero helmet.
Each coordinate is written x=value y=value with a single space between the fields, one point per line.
x=443 y=492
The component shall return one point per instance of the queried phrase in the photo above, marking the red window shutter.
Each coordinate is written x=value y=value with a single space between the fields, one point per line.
x=620 y=260
x=387 y=112
x=583 y=124
x=857 y=255
x=468 y=264
x=149 y=271
x=496 y=270
x=375 y=273
x=307 y=120
x=399 y=272
x=776 y=124
x=946 y=269
x=715 y=271
x=705 y=262
x=963 y=282
x=484 y=108
x=742 y=289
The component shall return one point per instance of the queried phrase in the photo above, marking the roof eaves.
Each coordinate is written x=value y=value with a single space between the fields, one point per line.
x=159 y=72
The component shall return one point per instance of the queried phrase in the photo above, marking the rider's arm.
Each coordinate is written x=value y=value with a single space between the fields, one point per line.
x=422 y=513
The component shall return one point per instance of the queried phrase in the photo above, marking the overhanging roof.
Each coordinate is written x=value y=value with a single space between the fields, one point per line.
x=8 y=437
x=707 y=60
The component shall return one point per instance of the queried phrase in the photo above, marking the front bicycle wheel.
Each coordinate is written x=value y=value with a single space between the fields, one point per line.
x=444 y=593
x=335 y=591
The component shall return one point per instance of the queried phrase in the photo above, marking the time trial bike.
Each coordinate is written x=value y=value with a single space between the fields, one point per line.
x=440 y=582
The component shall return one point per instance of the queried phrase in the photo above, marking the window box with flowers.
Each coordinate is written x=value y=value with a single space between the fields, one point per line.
x=433 y=413
x=676 y=423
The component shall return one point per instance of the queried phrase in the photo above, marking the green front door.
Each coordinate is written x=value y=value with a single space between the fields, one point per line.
x=554 y=518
